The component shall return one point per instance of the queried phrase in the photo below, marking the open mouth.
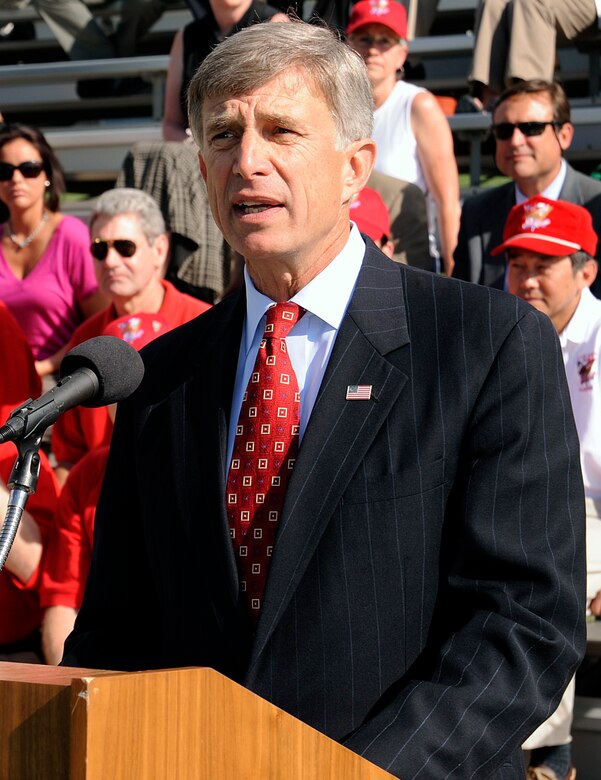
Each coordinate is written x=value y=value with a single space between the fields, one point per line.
x=254 y=208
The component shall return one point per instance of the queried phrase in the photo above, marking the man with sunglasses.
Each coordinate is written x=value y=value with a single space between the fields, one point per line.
x=130 y=246
x=532 y=128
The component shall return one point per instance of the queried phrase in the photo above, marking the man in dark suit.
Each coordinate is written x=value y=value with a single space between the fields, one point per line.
x=423 y=603
x=532 y=155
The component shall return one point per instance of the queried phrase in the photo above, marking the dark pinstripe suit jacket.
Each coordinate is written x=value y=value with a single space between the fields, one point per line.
x=424 y=603
x=483 y=218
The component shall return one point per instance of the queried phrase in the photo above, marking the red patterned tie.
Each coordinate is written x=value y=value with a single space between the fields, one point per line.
x=265 y=448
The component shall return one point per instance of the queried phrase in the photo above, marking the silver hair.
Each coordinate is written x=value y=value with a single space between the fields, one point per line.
x=579 y=260
x=259 y=53
x=128 y=200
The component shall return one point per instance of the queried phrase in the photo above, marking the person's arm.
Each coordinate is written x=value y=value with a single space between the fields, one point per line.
x=437 y=158
x=26 y=551
x=509 y=630
x=93 y=304
x=57 y=624
x=174 y=121
x=50 y=365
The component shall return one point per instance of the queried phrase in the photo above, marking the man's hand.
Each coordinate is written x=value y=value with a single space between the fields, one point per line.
x=596 y=605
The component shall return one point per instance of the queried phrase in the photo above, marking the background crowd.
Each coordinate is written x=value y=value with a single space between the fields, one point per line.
x=150 y=257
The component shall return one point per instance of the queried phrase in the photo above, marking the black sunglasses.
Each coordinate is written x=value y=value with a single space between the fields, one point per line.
x=504 y=130
x=30 y=169
x=124 y=246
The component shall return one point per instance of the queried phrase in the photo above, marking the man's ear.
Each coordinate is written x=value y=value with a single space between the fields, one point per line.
x=361 y=156
x=589 y=272
x=565 y=134
x=161 y=249
x=202 y=166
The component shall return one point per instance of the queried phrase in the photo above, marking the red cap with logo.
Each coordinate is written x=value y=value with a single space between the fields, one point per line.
x=548 y=227
x=370 y=214
x=137 y=329
x=390 y=13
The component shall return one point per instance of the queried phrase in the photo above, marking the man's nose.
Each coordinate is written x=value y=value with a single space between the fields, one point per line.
x=517 y=137
x=112 y=258
x=253 y=156
x=529 y=280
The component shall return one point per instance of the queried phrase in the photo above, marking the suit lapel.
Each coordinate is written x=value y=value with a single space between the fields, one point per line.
x=570 y=190
x=202 y=407
x=339 y=431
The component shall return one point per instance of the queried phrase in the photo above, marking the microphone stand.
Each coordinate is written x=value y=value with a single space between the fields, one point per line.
x=22 y=483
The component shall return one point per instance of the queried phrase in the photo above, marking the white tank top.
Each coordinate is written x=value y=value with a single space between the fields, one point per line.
x=397 y=148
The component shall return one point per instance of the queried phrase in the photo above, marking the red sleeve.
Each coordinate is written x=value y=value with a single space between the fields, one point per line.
x=68 y=556
x=20 y=612
x=81 y=430
x=18 y=377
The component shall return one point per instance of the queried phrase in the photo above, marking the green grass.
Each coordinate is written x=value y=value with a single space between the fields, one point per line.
x=485 y=181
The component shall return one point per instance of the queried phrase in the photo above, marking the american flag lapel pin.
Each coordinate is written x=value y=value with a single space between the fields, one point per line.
x=358 y=392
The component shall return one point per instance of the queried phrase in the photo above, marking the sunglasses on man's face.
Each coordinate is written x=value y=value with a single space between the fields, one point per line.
x=29 y=170
x=504 y=130
x=124 y=246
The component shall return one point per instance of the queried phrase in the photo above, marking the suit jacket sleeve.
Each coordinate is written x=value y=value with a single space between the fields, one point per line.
x=509 y=630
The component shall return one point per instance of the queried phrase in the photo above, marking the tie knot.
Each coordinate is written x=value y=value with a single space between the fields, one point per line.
x=281 y=318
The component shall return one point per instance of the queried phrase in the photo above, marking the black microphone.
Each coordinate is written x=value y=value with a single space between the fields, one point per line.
x=100 y=371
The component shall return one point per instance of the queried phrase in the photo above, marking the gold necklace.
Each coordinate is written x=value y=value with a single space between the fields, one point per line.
x=28 y=239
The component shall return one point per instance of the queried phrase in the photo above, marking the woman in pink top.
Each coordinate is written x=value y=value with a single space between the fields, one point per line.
x=46 y=271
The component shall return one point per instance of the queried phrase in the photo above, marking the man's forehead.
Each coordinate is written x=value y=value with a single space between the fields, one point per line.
x=526 y=104
x=125 y=223
x=374 y=28
x=288 y=89
x=526 y=254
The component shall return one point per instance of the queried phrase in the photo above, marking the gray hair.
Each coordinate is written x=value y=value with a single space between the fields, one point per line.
x=127 y=200
x=579 y=260
x=259 y=53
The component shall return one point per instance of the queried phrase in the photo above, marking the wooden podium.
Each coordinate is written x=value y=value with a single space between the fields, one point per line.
x=60 y=723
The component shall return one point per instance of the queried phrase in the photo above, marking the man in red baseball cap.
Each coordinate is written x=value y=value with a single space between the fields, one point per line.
x=550 y=245
x=390 y=14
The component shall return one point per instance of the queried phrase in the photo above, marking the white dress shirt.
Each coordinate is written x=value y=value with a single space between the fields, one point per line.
x=581 y=347
x=325 y=300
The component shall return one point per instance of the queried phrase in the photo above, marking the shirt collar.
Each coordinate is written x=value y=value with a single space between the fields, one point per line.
x=577 y=328
x=552 y=191
x=326 y=296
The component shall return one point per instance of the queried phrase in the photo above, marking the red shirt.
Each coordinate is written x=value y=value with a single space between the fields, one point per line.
x=20 y=612
x=69 y=552
x=18 y=378
x=81 y=430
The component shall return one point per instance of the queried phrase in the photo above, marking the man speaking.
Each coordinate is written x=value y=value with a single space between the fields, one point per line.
x=353 y=487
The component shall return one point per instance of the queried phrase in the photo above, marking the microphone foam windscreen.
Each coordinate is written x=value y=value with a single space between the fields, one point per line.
x=117 y=365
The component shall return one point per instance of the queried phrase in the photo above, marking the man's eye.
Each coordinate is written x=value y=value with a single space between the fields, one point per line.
x=222 y=135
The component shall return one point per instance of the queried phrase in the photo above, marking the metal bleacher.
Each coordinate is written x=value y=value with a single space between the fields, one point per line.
x=93 y=135
x=38 y=86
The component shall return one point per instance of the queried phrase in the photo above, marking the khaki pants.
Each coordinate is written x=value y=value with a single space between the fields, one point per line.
x=516 y=39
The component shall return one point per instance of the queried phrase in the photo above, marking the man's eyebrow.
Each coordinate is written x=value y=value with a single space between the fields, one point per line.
x=220 y=122
x=225 y=121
